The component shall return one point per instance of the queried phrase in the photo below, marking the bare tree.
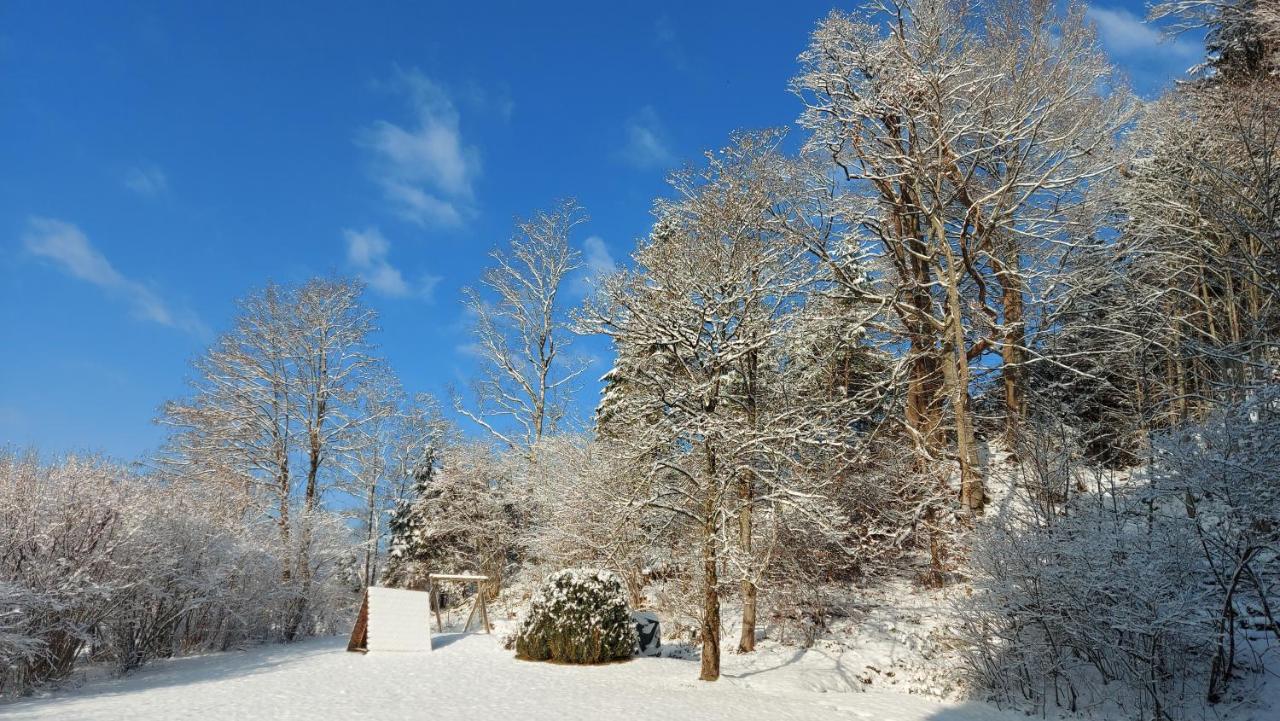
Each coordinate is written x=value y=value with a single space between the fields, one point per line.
x=241 y=412
x=396 y=441
x=698 y=324
x=521 y=332
x=329 y=342
x=279 y=386
x=966 y=134
x=1242 y=37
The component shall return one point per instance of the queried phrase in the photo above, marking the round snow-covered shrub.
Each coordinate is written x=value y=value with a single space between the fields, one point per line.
x=578 y=615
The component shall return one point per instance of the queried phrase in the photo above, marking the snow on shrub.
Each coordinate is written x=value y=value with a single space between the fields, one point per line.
x=578 y=615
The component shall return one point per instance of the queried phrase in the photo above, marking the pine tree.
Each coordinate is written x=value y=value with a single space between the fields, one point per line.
x=406 y=555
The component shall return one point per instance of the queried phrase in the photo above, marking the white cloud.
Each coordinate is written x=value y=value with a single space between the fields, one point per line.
x=147 y=180
x=67 y=247
x=598 y=263
x=599 y=260
x=646 y=145
x=414 y=204
x=471 y=350
x=367 y=252
x=425 y=169
x=1126 y=34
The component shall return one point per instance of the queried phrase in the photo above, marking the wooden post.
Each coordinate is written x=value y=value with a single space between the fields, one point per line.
x=435 y=604
x=360 y=633
x=470 y=615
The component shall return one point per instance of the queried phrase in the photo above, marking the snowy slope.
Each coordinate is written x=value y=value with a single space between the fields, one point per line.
x=467 y=677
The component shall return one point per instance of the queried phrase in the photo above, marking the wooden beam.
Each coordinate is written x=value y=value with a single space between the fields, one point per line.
x=478 y=604
x=457 y=577
x=435 y=605
x=475 y=604
x=360 y=634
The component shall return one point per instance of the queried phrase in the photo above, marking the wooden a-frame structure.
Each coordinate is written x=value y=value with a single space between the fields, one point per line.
x=359 y=641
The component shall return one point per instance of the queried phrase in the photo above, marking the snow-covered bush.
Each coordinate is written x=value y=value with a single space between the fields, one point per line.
x=577 y=616
x=1137 y=593
x=1069 y=613
x=98 y=562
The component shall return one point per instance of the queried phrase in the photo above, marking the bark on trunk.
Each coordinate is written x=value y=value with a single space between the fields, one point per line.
x=972 y=495
x=1011 y=356
x=710 y=577
x=747 y=639
x=710 y=607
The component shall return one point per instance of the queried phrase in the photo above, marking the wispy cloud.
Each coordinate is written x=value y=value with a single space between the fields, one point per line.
x=68 y=248
x=367 y=252
x=147 y=180
x=426 y=170
x=471 y=350
x=1127 y=35
x=646 y=145
x=496 y=101
x=668 y=42
x=597 y=263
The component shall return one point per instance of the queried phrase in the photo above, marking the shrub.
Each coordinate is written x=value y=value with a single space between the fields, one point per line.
x=577 y=616
x=1143 y=594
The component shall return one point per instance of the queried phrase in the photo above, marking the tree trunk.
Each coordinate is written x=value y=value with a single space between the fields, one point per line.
x=282 y=521
x=371 y=535
x=747 y=639
x=710 y=577
x=1011 y=355
x=710 y=606
x=972 y=495
x=746 y=495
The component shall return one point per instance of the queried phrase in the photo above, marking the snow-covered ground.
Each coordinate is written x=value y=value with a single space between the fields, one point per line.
x=472 y=677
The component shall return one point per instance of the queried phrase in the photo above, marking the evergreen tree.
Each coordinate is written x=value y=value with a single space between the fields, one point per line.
x=405 y=567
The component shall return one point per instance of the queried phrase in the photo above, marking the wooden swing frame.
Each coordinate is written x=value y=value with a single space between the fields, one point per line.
x=477 y=605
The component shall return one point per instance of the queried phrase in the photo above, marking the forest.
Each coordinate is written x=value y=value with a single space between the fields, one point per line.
x=984 y=321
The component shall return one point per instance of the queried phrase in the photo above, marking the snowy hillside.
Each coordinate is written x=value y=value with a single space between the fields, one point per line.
x=471 y=677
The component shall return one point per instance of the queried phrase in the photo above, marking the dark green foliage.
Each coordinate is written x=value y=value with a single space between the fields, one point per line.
x=577 y=616
x=407 y=562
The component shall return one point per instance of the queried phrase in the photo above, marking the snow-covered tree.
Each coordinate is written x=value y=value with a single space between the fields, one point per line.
x=275 y=393
x=396 y=446
x=966 y=133
x=521 y=332
x=98 y=560
x=466 y=516
x=700 y=320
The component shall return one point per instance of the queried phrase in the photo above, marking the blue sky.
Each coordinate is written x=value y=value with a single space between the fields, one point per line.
x=159 y=160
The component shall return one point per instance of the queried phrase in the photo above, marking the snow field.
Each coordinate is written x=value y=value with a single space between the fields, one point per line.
x=472 y=677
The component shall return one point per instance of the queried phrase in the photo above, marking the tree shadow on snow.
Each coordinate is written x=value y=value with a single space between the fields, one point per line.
x=799 y=654
x=442 y=640
x=971 y=711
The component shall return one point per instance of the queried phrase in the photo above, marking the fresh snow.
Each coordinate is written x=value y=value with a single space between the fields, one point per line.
x=472 y=677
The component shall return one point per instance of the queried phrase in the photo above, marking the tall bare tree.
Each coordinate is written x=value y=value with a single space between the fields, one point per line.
x=967 y=133
x=280 y=386
x=521 y=332
x=698 y=324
